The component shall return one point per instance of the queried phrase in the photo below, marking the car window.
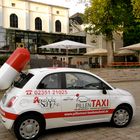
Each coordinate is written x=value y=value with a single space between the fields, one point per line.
x=22 y=79
x=82 y=81
x=50 y=82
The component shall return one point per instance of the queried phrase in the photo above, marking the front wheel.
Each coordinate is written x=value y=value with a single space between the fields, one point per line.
x=28 y=127
x=121 y=116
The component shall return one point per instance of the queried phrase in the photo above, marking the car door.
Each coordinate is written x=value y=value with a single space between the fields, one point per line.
x=86 y=98
x=49 y=94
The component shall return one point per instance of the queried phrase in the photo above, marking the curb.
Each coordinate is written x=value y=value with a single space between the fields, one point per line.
x=117 y=81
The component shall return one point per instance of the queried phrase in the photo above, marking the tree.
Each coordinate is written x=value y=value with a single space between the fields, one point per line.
x=136 y=8
x=132 y=33
x=107 y=17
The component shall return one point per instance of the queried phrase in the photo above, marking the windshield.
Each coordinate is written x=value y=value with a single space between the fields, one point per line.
x=22 y=79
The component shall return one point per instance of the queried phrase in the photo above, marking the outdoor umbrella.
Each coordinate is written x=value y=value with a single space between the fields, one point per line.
x=66 y=44
x=125 y=53
x=98 y=52
x=135 y=47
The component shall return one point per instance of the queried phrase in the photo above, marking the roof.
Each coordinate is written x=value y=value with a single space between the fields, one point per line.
x=54 y=69
x=77 y=17
x=50 y=70
x=44 y=3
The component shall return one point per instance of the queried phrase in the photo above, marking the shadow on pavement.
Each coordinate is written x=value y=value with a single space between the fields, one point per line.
x=72 y=129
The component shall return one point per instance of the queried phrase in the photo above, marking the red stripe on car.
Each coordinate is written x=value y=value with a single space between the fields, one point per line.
x=8 y=115
x=77 y=113
x=62 y=114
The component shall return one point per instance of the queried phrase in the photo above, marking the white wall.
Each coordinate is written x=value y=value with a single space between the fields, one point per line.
x=100 y=41
x=28 y=11
x=1 y=13
x=63 y=13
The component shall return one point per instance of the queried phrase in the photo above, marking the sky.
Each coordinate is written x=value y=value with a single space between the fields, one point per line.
x=74 y=5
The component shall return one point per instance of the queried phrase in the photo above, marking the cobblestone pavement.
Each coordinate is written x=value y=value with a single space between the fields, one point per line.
x=115 y=75
x=103 y=130
x=95 y=131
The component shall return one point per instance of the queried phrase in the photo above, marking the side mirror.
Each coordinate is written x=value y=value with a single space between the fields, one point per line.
x=104 y=90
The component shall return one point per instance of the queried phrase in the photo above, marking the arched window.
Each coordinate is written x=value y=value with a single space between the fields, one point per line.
x=38 y=24
x=58 y=26
x=13 y=21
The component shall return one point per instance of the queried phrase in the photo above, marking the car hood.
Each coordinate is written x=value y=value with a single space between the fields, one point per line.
x=123 y=92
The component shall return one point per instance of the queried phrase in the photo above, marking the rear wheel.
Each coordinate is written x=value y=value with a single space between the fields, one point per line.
x=28 y=127
x=121 y=116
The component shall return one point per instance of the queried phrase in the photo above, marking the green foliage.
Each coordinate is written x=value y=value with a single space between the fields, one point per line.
x=132 y=34
x=107 y=16
x=136 y=8
x=3 y=59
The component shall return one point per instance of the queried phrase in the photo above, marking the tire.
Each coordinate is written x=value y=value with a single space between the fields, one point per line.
x=121 y=117
x=28 y=127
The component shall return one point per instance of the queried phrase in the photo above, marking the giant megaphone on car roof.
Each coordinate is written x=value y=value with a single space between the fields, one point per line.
x=11 y=68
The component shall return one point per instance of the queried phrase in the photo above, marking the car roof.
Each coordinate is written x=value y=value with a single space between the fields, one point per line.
x=49 y=70
x=55 y=69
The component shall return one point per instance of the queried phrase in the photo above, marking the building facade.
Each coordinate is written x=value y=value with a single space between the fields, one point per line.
x=25 y=23
x=98 y=41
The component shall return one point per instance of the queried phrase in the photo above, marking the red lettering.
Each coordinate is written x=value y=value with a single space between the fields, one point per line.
x=107 y=102
x=98 y=103
x=28 y=92
x=35 y=92
x=93 y=103
x=36 y=100
x=104 y=102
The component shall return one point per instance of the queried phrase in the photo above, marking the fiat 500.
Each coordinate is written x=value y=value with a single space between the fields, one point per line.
x=48 y=98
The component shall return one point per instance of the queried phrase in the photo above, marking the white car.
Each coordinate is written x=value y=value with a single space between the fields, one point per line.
x=48 y=98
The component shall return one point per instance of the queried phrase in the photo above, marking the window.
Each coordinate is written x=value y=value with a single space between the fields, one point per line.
x=57 y=12
x=83 y=81
x=51 y=81
x=58 y=26
x=13 y=21
x=38 y=24
x=22 y=80
x=13 y=4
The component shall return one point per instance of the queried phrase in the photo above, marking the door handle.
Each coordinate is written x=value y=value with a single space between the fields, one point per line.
x=68 y=98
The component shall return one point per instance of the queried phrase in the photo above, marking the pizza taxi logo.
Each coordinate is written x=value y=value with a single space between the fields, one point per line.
x=84 y=103
x=46 y=103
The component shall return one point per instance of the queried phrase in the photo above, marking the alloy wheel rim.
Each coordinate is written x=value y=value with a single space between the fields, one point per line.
x=29 y=128
x=121 y=117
